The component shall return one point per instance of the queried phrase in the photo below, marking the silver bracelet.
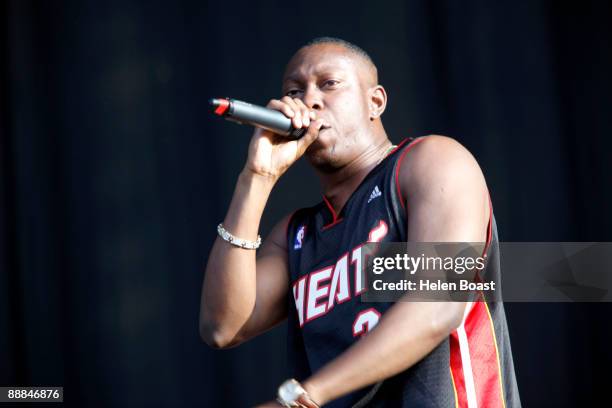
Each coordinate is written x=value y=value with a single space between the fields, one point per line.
x=239 y=242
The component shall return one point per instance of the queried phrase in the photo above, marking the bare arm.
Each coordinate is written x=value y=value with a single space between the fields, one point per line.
x=234 y=276
x=447 y=201
x=244 y=294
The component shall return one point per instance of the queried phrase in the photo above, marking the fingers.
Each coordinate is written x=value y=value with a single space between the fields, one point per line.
x=295 y=109
x=310 y=136
x=301 y=110
x=282 y=107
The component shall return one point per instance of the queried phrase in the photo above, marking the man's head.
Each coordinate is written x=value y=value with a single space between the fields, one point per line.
x=339 y=81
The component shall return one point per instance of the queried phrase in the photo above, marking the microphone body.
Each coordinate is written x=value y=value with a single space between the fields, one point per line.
x=249 y=114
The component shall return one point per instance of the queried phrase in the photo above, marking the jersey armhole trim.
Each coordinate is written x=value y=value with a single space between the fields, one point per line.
x=409 y=147
x=289 y=221
x=489 y=227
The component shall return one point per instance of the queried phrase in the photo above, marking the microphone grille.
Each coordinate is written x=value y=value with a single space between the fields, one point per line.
x=297 y=133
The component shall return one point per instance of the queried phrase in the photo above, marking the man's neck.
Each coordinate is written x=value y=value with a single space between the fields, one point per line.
x=339 y=185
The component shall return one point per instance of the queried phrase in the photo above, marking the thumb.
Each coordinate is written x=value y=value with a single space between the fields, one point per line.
x=310 y=136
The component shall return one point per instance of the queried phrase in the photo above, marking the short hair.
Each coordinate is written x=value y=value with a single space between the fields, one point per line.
x=339 y=41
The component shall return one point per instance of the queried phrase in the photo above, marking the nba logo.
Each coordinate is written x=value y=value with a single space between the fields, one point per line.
x=299 y=237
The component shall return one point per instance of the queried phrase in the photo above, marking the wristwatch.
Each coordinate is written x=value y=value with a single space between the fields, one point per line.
x=292 y=394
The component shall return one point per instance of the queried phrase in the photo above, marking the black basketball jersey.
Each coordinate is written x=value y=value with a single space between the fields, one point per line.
x=472 y=368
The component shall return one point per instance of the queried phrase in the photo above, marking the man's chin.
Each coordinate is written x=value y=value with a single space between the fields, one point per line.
x=322 y=156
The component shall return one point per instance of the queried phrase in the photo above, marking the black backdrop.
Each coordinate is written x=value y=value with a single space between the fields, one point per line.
x=114 y=175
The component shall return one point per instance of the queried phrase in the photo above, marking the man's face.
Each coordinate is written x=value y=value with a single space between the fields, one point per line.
x=334 y=83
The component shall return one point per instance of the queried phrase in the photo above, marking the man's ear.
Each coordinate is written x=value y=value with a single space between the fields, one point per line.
x=377 y=101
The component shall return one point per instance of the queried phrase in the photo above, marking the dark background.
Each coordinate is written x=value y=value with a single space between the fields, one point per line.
x=114 y=174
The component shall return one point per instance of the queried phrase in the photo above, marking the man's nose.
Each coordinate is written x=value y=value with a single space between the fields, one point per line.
x=312 y=99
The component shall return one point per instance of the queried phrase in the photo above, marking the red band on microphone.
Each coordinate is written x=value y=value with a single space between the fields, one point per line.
x=223 y=107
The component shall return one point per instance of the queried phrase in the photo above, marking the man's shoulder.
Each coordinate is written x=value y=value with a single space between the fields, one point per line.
x=436 y=161
x=434 y=148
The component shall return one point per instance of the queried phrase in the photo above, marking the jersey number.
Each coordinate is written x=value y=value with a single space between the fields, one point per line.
x=365 y=321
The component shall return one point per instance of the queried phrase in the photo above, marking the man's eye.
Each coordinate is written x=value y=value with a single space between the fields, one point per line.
x=292 y=92
x=330 y=82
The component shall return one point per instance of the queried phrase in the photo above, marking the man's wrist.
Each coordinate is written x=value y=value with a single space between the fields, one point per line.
x=253 y=178
x=293 y=394
x=314 y=391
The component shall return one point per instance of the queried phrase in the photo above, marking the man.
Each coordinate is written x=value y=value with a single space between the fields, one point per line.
x=428 y=354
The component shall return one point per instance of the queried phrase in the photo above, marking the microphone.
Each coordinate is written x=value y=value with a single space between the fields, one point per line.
x=246 y=113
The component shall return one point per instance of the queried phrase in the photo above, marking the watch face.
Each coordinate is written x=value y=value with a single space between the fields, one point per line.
x=290 y=390
x=283 y=394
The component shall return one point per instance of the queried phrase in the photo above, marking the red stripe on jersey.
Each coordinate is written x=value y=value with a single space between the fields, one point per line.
x=483 y=355
x=489 y=227
x=331 y=209
x=335 y=219
x=456 y=367
x=399 y=146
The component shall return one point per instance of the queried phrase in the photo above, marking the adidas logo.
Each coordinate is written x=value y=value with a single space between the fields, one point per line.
x=375 y=193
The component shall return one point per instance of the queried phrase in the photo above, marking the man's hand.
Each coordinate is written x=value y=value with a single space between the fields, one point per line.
x=244 y=294
x=270 y=155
